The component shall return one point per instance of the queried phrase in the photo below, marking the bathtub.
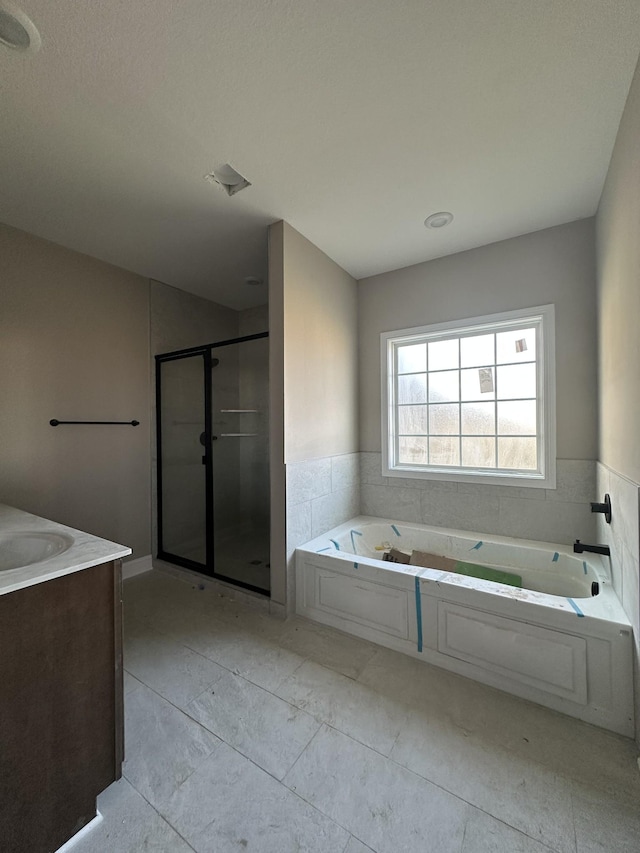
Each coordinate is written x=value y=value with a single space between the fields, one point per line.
x=553 y=641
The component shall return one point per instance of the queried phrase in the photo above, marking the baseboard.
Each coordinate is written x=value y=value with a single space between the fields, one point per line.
x=137 y=567
x=70 y=844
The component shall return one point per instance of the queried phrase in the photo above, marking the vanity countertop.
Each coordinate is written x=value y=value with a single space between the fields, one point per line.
x=85 y=550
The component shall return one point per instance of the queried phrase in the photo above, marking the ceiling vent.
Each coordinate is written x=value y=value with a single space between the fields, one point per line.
x=227 y=178
x=17 y=31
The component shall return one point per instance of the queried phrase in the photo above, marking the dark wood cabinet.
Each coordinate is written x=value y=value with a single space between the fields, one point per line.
x=61 y=705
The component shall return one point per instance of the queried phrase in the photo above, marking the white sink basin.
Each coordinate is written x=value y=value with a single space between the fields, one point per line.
x=24 y=549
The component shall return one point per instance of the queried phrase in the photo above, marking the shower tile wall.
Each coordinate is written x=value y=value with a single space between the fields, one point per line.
x=548 y=515
x=180 y=320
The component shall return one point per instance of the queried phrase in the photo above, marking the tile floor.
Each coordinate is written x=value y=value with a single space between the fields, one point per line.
x=244 y=733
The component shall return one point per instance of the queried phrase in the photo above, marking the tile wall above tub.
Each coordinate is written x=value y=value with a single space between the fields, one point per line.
x=321 y=493
x=548 y=515
x=623 y=537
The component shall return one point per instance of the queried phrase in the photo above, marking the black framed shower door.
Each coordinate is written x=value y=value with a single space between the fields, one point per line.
x=203 y=461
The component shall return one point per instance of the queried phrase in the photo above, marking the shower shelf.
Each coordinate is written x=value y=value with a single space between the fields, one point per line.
x=237 y=434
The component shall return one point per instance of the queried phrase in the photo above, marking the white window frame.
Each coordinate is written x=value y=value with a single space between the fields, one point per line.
x=543 y=319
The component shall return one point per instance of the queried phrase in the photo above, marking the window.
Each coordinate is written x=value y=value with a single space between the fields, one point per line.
x=472 y=400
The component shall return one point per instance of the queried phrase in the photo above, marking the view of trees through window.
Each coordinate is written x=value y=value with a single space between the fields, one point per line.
x=468 y=401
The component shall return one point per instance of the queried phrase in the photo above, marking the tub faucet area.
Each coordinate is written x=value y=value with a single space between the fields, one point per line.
x=579 y=547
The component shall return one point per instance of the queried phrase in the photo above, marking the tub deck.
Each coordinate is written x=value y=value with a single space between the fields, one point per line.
x=572 y=653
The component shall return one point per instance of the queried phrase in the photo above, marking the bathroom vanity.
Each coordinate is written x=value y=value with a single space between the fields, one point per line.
x=61 y=708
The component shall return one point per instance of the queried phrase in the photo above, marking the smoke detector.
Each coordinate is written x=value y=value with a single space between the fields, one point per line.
x=227 y=178
x=439 y=220
x=17 y=31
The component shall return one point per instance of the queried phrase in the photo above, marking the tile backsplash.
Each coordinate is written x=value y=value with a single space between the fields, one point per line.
x=321 y=493
x=549 y=515
x=623 y=537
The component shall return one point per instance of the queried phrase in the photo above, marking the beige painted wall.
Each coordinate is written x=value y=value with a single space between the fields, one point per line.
x=74 y=345
x=556 y=266
x=320 y=353
x=313 y=378
x=618 y=245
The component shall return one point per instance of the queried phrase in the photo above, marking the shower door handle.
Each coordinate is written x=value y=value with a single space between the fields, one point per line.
x=213 y=438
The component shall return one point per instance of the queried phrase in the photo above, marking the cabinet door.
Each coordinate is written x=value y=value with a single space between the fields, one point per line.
x=60 y=662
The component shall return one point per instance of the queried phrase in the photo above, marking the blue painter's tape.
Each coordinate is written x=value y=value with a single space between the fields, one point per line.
x=584 y=566
x=418 y=613
x=555 y=557
x=322 y=549
x=353 y=541
x=335 y=543
x=395 y=530
x=575 y=606
x=476 y=547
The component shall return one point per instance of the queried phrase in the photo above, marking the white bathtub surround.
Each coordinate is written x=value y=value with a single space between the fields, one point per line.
x=321 y=493
x=623 y=537
x=551 y=642
x=549 y=515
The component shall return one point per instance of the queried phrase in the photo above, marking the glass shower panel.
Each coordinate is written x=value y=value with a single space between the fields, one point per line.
x=183 y=516
x=240 y=426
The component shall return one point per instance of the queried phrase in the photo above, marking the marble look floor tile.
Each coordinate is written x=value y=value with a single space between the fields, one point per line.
x=606 y=824
x=129 y=682
x=340 y=652
x=244 y=642
x=156 y=592
x=231 y=805
x=269 y=731
x=163 y=746
x=130 y=825
x=485 y=834
x=506 y=722
x=519 y=792
x=355 y=846
x=382 y=804
x=171 y=669
x=346 y=705
x=410 y=681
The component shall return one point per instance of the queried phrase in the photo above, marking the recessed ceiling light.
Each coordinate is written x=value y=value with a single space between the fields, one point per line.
x=438 y=220
x=227 y=178
x=17 y=31
x=251 y=279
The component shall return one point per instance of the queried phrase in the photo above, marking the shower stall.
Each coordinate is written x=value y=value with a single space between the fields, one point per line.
x=212 y=422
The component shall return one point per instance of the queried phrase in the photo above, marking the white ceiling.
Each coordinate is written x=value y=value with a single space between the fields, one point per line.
x=353 y=120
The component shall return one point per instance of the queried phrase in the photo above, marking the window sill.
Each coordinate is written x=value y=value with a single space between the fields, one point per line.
x=528 y=481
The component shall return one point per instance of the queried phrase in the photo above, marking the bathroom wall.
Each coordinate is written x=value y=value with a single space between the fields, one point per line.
x=552 y=266
x=74 y=345
x=321 y=353
x=618 y=291
x=313 y=307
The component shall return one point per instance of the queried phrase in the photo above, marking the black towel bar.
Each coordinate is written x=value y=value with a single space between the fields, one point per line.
x=55 y=422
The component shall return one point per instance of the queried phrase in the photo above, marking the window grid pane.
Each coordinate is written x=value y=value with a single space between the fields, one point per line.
x=428 y=417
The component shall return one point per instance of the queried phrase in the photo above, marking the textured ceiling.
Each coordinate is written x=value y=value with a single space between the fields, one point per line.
x=353 y=120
